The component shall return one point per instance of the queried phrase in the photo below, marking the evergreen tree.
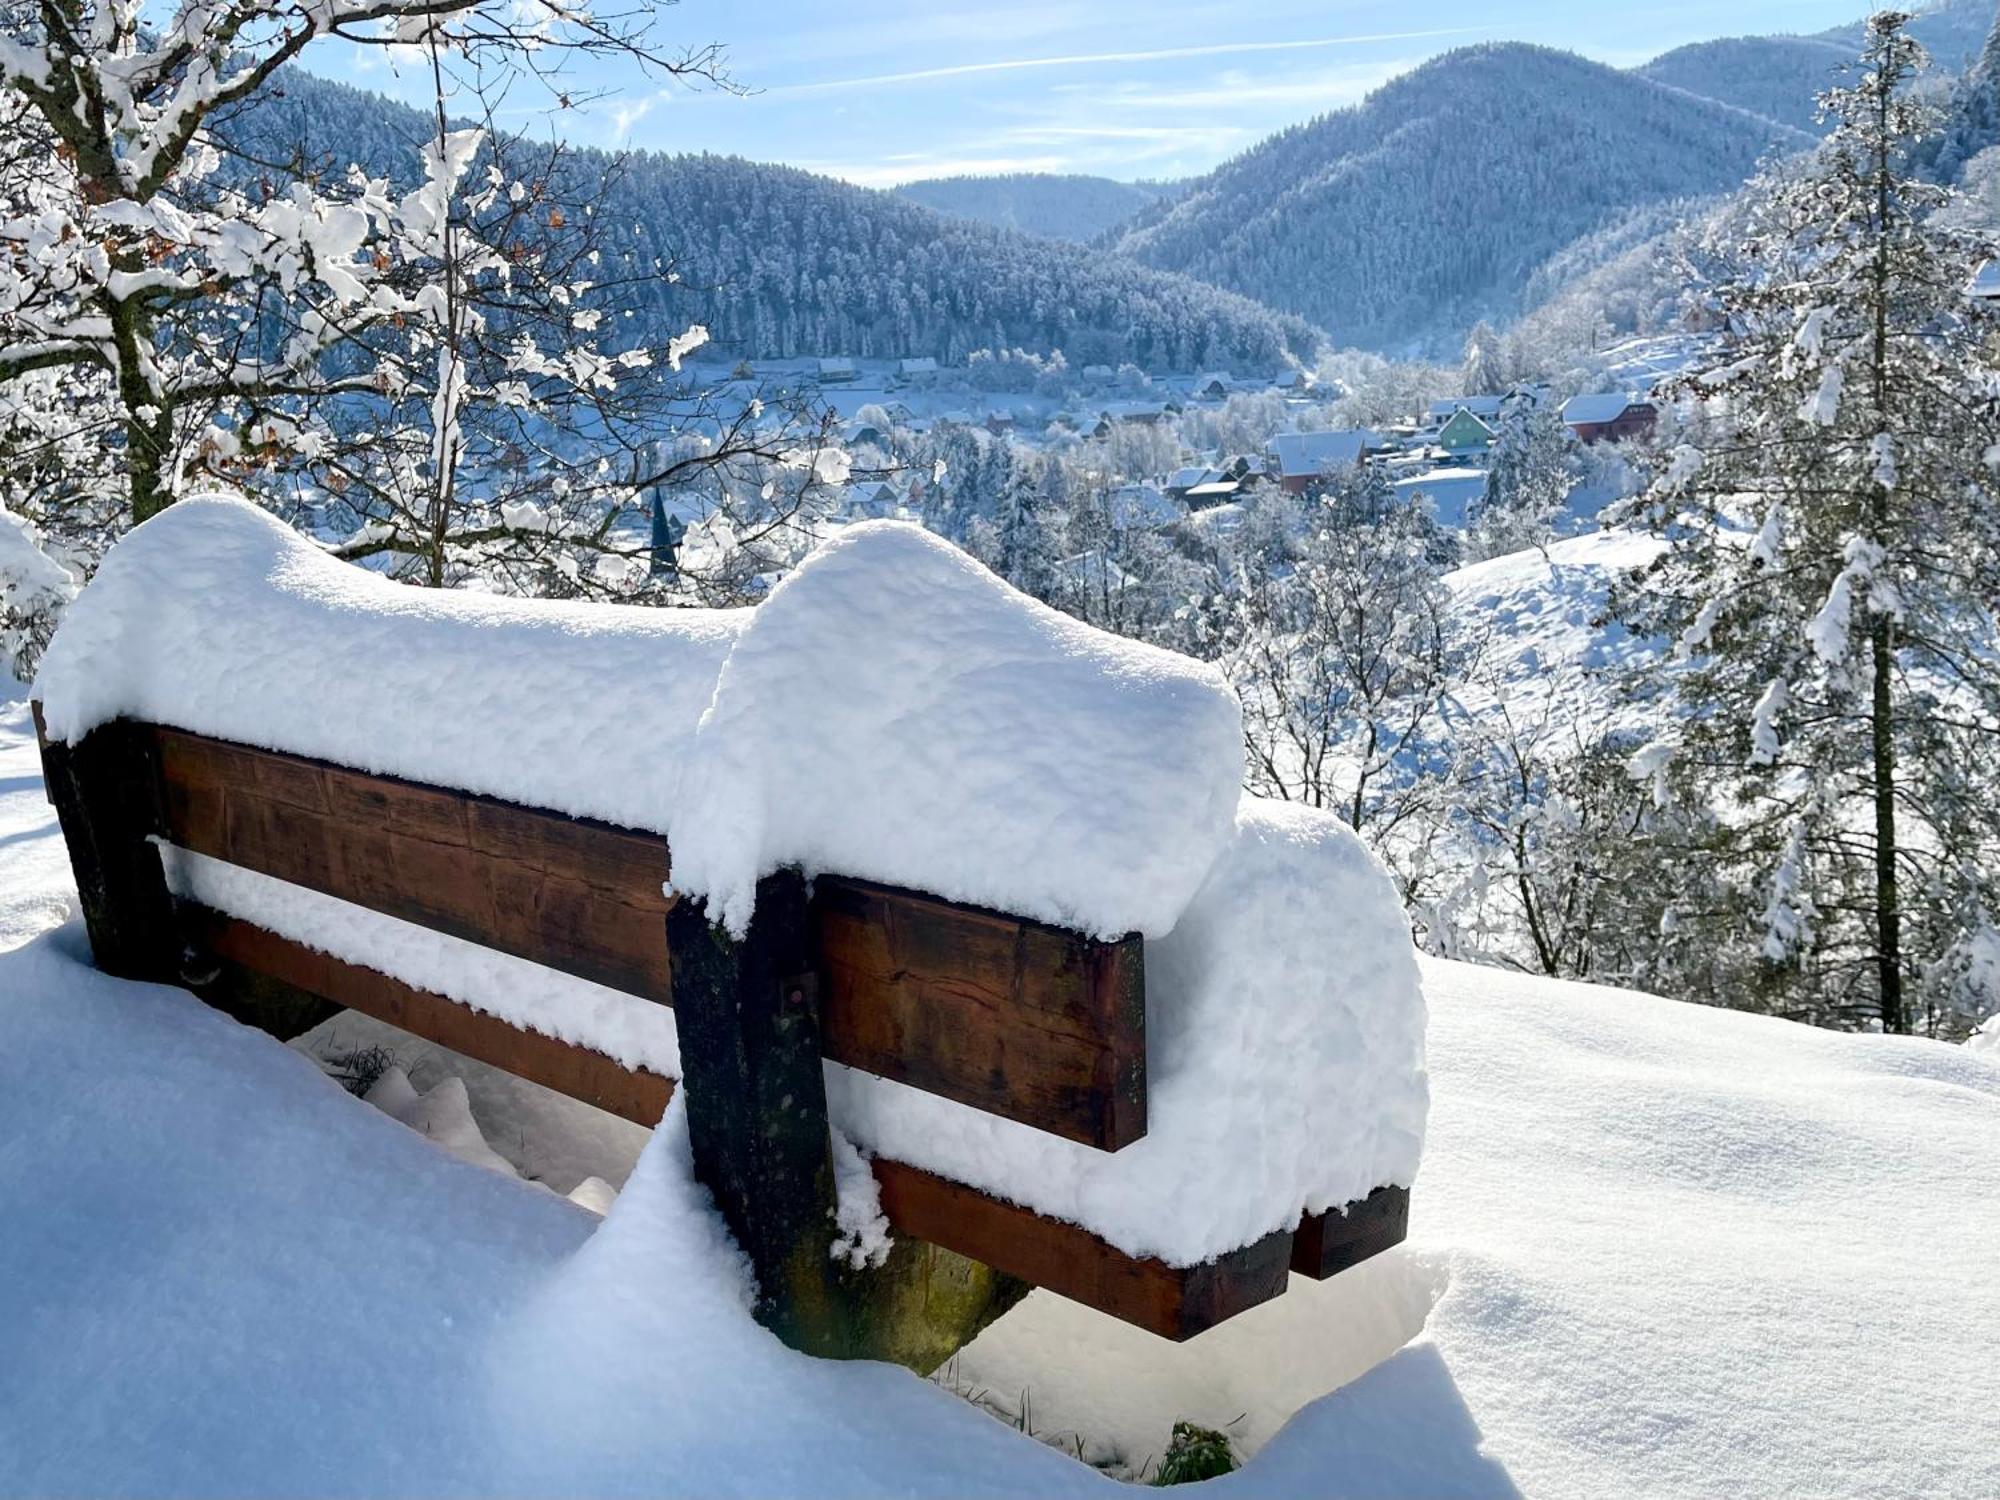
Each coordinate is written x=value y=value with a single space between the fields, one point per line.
x=1026 y=525
x=1831 y=570
x=1533 y=471
x=1485 y=367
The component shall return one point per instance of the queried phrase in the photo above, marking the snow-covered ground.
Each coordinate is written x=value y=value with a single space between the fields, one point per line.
x=1540 y=618
x=1656 y=1250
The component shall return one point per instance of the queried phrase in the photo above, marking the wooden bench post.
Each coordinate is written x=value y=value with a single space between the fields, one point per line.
x=110 y=799
x=747 y=1014
x=106 y=791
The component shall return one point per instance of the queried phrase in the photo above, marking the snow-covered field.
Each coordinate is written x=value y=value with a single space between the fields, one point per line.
x=1656 y=1250
x=1540 y=618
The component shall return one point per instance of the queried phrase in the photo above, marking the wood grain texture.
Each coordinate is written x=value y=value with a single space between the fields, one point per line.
x=1010 y=1016
x=106 y=791
x=1174 y=1302
x=1021 y=1019
x=1327 y=1244
x=579 y=1072
x=585 y=898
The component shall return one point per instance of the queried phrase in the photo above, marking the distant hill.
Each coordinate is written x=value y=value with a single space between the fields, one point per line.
x=1055 y=207
x=1779 y=76
x=1952 y=31
x=1398 y=223
x=780 y=263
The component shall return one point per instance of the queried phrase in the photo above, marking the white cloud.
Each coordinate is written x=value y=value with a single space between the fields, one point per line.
x=625 y=116
x=1158 y=54
x=894 y=170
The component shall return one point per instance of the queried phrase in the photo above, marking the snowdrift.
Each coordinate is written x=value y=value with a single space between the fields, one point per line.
x=893 y=712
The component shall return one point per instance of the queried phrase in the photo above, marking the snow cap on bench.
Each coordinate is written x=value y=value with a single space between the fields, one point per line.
x=895 y=712
x=217 y=618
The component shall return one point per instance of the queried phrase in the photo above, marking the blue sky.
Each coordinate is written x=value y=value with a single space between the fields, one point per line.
x=882 y=91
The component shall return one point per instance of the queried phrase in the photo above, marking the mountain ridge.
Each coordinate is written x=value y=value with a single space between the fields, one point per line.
x=1491 y=125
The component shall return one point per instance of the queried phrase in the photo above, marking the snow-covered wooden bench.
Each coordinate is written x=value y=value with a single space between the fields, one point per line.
x=1023 y=1020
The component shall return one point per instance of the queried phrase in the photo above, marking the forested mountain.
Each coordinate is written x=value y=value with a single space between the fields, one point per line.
x=1952 y=31
x=780 y=263
x=1780 y=76
x=1777 y=77
x=1972 y=122
x=1400 y=222
x=1057 y=207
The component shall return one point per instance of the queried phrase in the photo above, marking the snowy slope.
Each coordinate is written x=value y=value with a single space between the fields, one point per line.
x=1664 y=1251
x=1539 y=617
x=1401 y=221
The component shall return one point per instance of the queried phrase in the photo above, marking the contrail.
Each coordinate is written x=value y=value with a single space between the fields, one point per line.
x=1219 y=49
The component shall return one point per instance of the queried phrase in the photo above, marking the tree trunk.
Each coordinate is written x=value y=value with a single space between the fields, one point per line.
x=1888 y=914
x=148 y=416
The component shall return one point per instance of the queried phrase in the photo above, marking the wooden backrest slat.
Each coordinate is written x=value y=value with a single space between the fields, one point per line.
x=1013 y=1017
x=583 y=898
x=1010 y=1016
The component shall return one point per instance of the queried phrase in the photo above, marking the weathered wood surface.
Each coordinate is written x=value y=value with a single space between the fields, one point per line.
x=1009 y=1016
x=580 y=1072
x=581 y=897
x=1014 y=1017
x=1173 y=1302
x=747 y=1012
x=107 y=797
x=749 y=1020
x=1327 y=1244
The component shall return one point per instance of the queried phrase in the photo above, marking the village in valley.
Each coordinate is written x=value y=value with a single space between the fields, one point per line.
x=1184 y=452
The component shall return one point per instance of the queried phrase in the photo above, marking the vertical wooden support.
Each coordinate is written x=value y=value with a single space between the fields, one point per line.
x=748 y=1020
x=106 y=791
x=111 y=802
x=748 y=1017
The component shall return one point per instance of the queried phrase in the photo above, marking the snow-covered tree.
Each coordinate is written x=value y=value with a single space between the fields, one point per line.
x=34 y=587
x=1972 y=123
x=426 y=359
x=1340 y=642
x=194 y=288
x=1833 y=562
x=1486 y=367
x=1533 y=469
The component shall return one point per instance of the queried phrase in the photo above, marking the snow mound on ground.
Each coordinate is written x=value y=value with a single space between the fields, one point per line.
x=443 y=1113
x=217 y=618
x=895 y=712
x=1284 y=1038
x=1540 y=616
x=1985 y=1042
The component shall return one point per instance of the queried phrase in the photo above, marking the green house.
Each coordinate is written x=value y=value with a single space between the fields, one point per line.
x=1464 y=433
